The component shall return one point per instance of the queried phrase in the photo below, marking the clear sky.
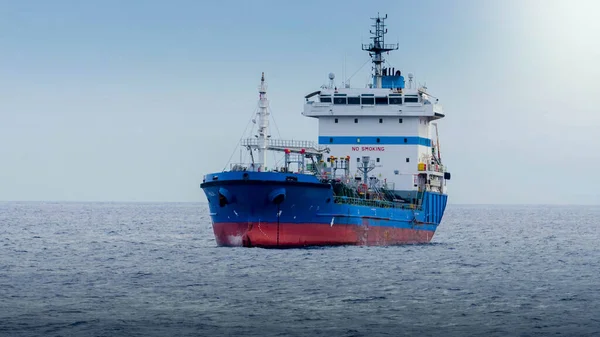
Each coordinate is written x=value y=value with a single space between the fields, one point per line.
x=136 y=100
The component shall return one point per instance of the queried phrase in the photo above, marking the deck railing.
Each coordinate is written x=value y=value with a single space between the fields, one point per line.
x=372 y=202
x=285 y=143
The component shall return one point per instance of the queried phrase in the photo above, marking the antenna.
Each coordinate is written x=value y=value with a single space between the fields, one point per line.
x=378 y=46
x=344 y=82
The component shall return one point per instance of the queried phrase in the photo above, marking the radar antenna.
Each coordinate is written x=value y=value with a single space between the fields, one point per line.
x=378 y=46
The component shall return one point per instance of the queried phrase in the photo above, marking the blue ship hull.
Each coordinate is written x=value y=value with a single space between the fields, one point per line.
x=274 y=209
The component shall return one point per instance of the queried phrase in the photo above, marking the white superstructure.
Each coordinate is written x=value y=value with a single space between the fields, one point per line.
x=387 y=121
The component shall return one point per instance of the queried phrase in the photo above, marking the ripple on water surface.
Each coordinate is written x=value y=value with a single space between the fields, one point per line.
x=107 y=269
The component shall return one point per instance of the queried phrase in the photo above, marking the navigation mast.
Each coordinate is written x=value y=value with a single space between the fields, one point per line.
x=378 y=47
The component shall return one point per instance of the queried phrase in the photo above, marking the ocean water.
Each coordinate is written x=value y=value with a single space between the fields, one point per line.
x=117 y=269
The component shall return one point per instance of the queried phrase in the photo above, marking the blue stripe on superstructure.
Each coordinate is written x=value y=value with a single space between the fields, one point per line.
x=373 y=140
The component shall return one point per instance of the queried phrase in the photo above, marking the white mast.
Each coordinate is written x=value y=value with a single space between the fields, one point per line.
x=263 y=125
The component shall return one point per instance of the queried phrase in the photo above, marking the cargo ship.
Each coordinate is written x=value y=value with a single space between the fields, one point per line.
x=374 y=177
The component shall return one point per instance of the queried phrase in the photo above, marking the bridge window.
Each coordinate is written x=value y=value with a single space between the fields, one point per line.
x=354 y=100
x=325 y=99
x=339 y=100
x=411 y=99
x=381 y=100
x=396 y=100
x=367 y=100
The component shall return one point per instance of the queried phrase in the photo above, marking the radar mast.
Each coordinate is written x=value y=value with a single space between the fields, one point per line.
x=378 y=46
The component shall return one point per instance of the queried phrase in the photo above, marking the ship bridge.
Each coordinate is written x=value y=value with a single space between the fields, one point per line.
x=388 y=122
x=372 y=102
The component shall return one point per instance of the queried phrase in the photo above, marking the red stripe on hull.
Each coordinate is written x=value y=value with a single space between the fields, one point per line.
x=284 y=235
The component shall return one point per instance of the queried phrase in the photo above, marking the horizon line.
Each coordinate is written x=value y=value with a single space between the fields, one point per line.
x=206 y=203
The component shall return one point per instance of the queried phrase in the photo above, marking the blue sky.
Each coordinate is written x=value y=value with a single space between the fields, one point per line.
x=136 y=100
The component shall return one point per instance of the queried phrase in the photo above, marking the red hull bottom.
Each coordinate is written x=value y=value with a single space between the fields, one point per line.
x=289 y=235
